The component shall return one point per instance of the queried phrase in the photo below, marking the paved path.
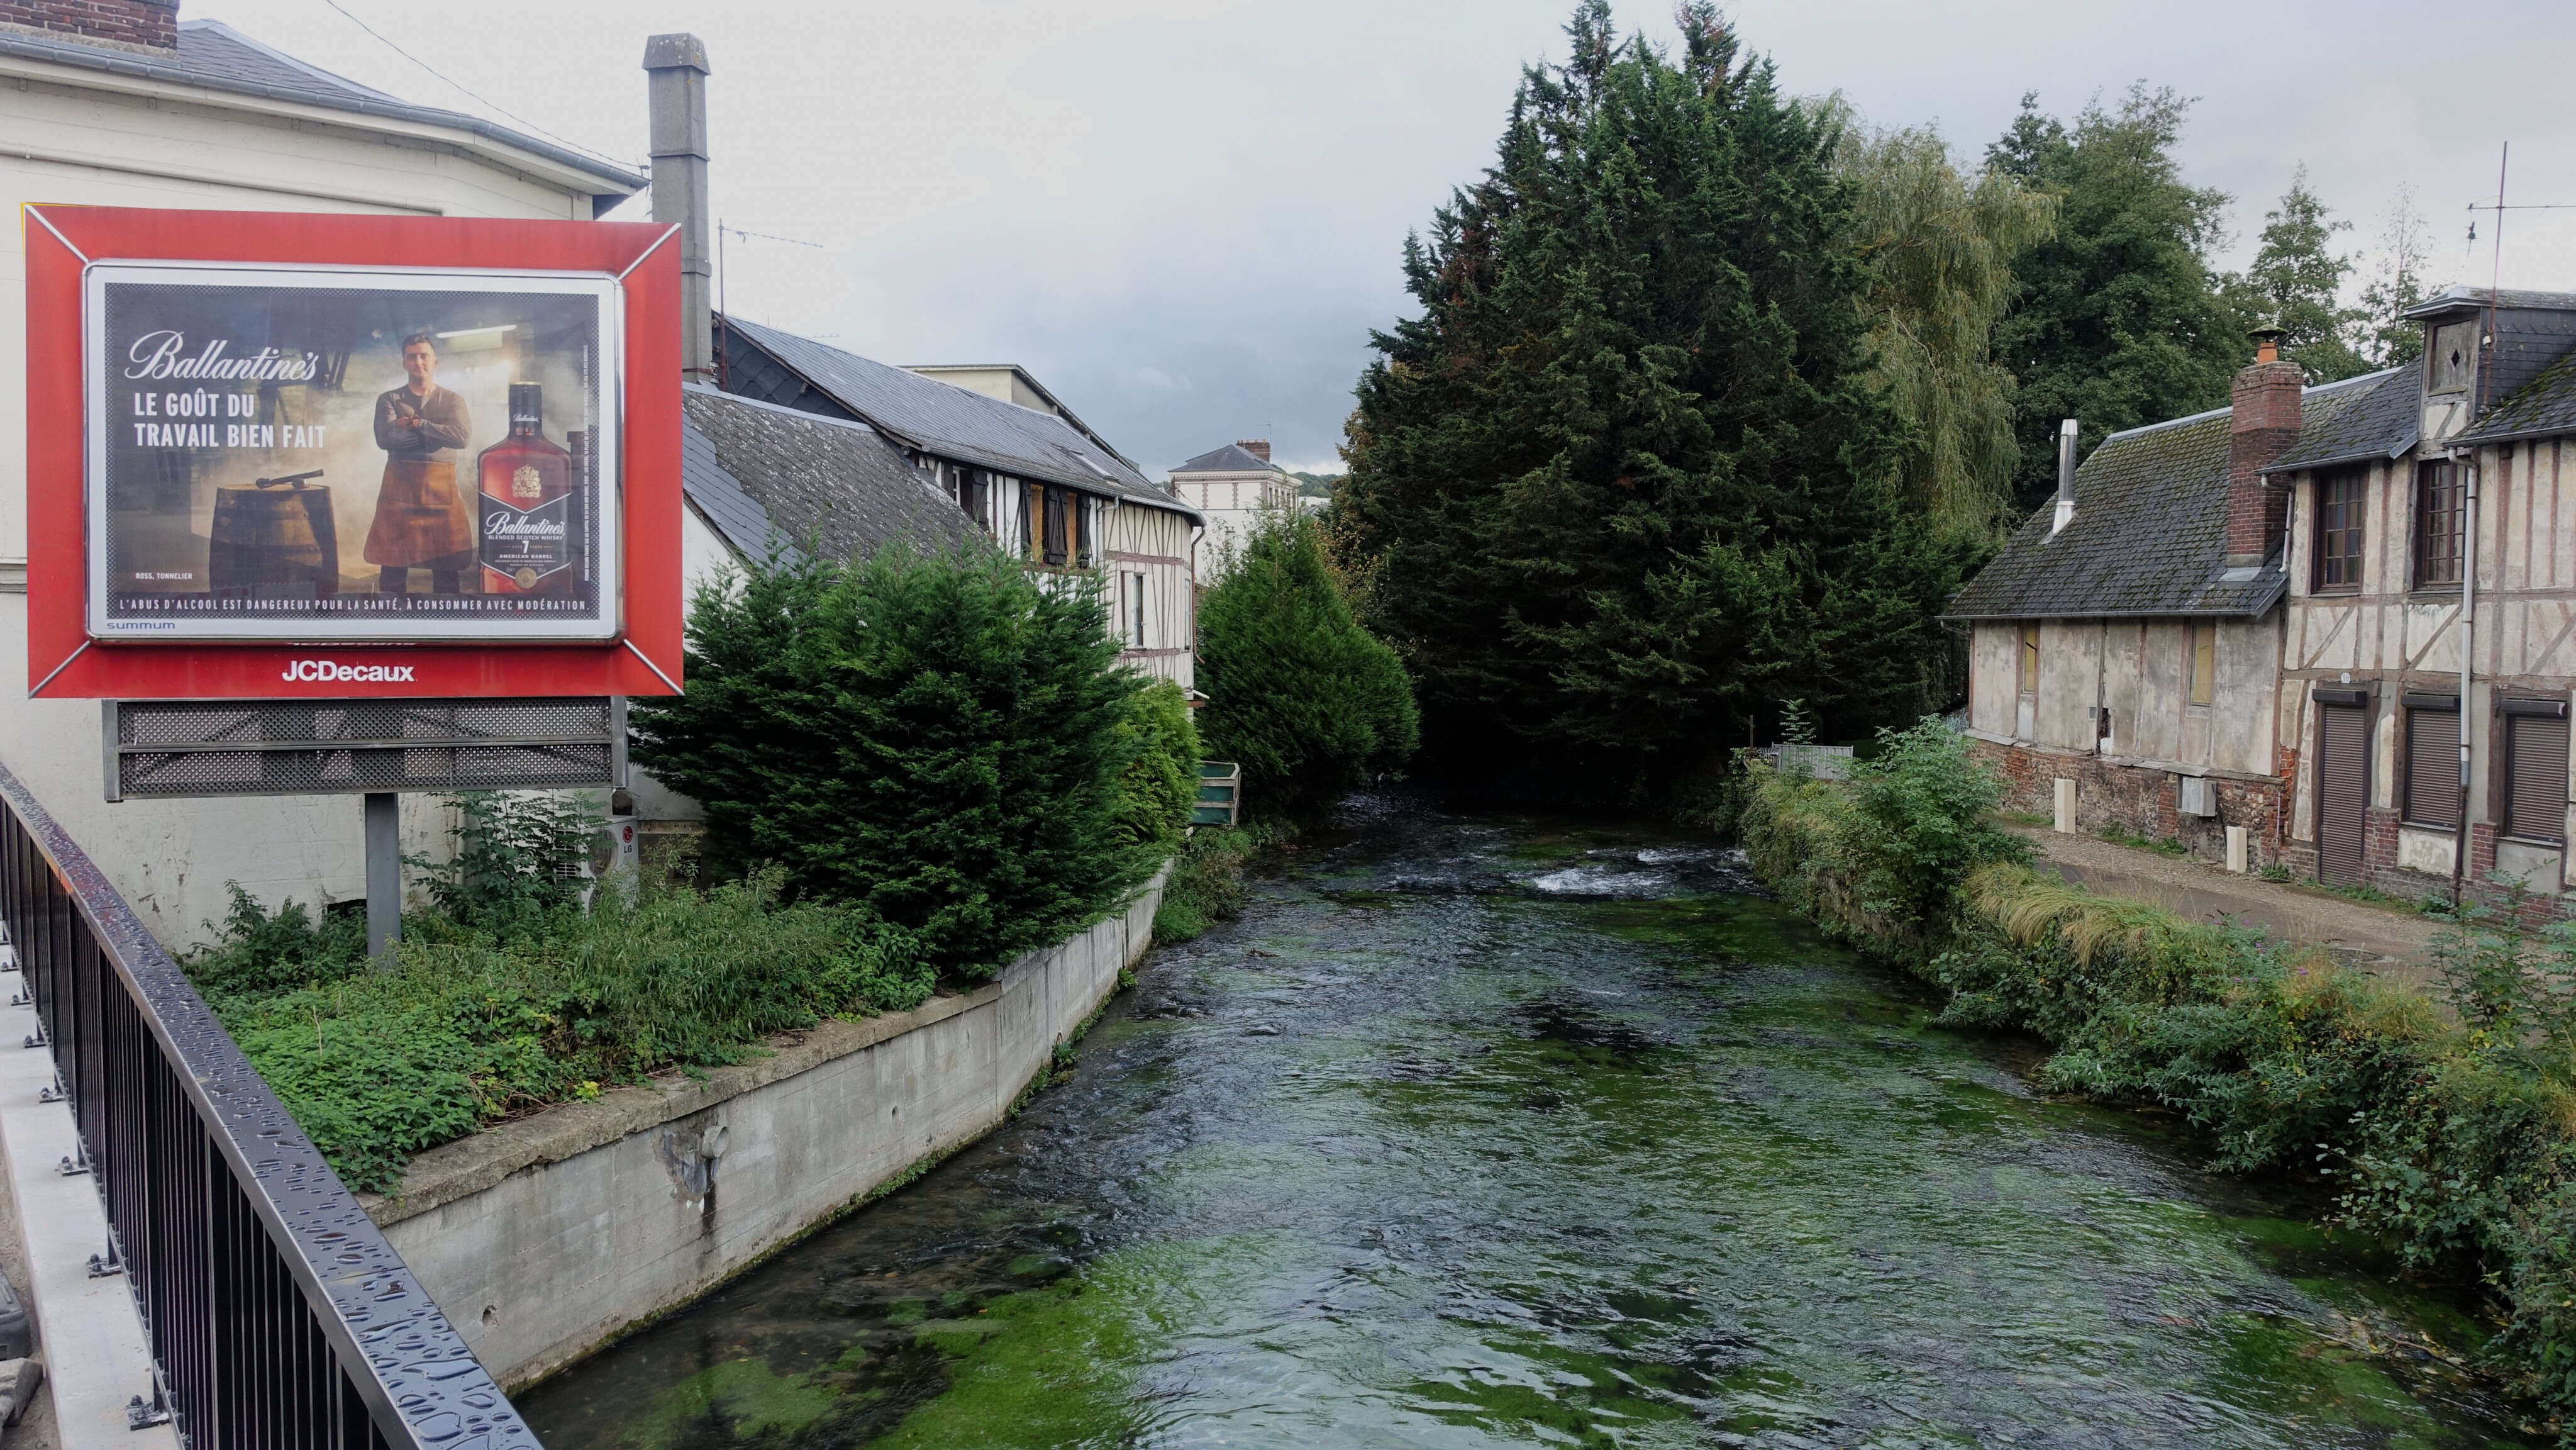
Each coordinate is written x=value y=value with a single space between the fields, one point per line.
x=2390 y=942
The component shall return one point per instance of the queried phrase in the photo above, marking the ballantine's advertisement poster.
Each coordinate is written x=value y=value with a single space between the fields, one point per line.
x=388 y=455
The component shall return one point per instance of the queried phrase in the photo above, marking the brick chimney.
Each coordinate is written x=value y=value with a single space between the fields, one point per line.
x=1257 y=447
x=127 y=24
x=2262 y=423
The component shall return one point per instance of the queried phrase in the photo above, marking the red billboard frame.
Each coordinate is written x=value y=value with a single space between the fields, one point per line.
x=64 y=661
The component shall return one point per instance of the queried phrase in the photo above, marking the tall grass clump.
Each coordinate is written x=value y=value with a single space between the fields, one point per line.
x=2446 y=1126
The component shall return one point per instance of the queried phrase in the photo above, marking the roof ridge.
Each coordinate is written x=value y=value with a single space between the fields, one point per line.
x=705 y=390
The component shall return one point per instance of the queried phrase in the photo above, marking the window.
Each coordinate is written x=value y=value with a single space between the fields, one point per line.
x=2339 y=510
x=2441 y=524
x=1136 y=611
x=2030 y=659
x=2204 y=661
x=2429 y=789
x=1035 y=512
x=2535 y=755
x=2453 y=358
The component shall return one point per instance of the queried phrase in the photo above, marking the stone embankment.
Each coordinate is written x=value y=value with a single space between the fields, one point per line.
x=544 y=1238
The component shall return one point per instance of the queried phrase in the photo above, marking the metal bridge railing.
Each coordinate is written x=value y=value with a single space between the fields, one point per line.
x=277 y=1314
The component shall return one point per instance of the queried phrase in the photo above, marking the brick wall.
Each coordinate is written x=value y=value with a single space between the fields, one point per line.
x=150 y=23
x=2141 y=801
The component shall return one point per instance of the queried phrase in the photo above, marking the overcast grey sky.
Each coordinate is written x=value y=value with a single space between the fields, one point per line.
x=1185 y=215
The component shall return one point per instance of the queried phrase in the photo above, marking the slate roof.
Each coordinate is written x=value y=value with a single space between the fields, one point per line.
x=217 y=57
x=1232 y=458
x=769 y=477
x=2547 y=404
x=953 y=422
x=2149 y=536
x=2461 y=295
x=2382 y=418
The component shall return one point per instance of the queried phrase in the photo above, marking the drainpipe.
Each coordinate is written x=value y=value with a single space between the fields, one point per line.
x=2466 y=461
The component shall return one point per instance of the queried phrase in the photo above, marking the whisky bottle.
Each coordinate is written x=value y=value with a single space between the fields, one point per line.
x=527 y=487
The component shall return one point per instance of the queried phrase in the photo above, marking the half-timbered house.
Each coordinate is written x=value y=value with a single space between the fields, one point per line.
x=1042 y=488
x=2125 y=644
x=2432 y=566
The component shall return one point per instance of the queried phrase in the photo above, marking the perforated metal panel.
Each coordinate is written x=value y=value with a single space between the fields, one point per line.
x=161 y=748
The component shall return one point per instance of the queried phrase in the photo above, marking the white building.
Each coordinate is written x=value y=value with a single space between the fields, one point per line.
x=1230 y=486
x=120 y=103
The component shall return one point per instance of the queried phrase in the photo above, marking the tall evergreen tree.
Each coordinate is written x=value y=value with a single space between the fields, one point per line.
x=1941 y=248
x=1627 y=479
x=2296 y=285
x=2120 y=321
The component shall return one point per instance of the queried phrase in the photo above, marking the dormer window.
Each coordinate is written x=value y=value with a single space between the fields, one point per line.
x=2452 y=358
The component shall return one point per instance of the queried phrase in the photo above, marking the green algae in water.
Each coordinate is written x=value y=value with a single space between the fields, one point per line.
x=742 y=1399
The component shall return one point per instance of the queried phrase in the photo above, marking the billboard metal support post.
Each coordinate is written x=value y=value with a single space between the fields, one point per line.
x=384 y=875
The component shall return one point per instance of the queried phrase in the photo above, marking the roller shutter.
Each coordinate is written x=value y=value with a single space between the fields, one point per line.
x=2343 y=790
x=2535 y=807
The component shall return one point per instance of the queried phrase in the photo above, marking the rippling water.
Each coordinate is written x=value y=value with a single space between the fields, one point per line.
x=1493 y=1132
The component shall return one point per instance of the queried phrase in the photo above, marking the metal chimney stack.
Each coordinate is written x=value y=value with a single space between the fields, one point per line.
x=2065 y=475
x=678 y=67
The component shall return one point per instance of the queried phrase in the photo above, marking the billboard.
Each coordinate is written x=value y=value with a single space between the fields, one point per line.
x=283 y=455
x=327 y=456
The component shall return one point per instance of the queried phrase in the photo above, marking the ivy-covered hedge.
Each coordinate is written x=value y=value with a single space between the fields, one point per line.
x=2448 y=1133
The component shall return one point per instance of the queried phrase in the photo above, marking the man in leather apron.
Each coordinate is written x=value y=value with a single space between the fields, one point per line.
x=422 y=518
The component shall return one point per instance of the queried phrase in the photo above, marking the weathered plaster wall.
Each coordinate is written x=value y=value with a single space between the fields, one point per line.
x=546 y=1237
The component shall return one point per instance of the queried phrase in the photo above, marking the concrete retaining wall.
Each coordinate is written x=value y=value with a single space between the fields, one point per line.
x=546 y=1237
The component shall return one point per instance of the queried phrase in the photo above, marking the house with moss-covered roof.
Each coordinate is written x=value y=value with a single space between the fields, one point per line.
x=2125 y=643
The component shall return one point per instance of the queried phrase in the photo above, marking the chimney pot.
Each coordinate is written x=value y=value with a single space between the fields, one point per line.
x=1257 y=447
x=2065 y=476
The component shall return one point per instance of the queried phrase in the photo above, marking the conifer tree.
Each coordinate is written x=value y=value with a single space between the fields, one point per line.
x=937 y=739
x=2295 y=284
x=2120 y=320
x=1299 y=695
x=1627 y=480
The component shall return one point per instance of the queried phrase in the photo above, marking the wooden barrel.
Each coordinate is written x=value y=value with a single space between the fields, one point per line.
x=273 y=543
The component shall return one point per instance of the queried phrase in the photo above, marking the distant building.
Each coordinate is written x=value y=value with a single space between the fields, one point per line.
x=1230 y=486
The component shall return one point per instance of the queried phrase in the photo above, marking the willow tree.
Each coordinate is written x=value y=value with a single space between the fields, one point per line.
x=1627 y=480
x=1941 y=247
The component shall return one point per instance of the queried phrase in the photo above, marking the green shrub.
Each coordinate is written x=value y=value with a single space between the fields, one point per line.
x=468 y=1026
x=514 y=859
x=940 y=740
x=1206 y=884
x=1303 y=698
x=1161 y=780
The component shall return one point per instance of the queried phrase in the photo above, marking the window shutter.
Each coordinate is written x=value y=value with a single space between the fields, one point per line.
x=2536 y=792
x=2433 y=768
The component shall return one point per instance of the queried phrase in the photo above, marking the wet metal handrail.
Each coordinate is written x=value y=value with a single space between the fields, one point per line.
x=277 y=1313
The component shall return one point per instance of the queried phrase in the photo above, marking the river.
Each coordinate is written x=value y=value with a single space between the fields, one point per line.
x=1493 y=1131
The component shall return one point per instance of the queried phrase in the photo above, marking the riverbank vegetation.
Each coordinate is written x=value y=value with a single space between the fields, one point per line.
x=1302 y=697
x=2448 y=1134
x=915 y=770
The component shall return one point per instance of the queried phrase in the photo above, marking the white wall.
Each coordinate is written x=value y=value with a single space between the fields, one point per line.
x=1232 y=503
x=79 y=139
